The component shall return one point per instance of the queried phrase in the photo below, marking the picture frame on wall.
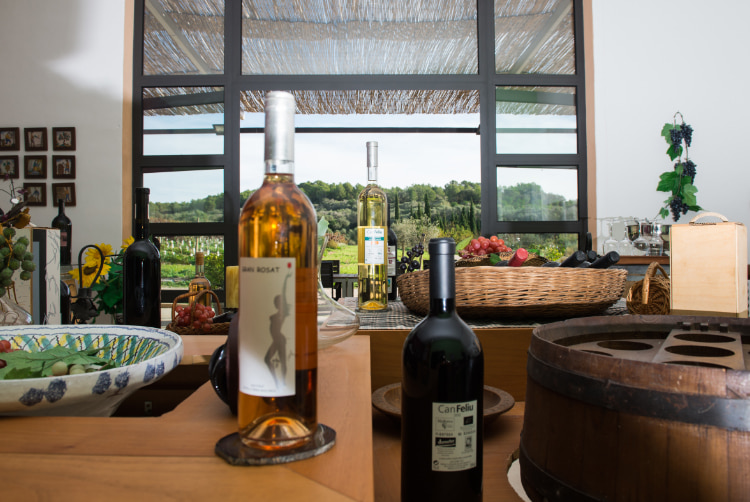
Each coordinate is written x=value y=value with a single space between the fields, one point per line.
x=35 y=166
x=10 y=139
x=36 y=194
x=9 y=166
x=64 y=191
x=35 y=139
x=63 y=138
x=63 y=166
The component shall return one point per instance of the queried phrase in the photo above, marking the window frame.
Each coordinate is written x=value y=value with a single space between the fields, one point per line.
x=485 y=82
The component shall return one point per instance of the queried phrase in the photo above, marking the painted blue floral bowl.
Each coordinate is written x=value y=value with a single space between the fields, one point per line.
x=143 y=355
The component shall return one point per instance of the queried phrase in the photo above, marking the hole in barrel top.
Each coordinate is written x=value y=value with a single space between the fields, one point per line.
x=699 y=351
x=700 y=363
x=704 y=338
x=624 y=345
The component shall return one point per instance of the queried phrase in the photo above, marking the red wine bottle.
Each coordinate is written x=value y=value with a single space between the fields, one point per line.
x=442 y=395
x=62 y=222
x=141 y=300
x=607 y=260
x=392 y=261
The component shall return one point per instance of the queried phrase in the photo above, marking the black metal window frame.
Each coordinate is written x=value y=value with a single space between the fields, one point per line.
x=486 y=81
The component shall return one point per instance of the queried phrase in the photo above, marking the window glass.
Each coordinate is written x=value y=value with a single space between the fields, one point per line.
x=185 y=195
x=537 y=193
x=183 y=38
x=534 y=37
x=377 y=37
x=183 y=121
x=532 y=120
x=178 y=260
x=552 y=246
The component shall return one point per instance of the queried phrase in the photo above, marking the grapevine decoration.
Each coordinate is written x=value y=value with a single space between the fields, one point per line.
x=680 y=181
x=14 y=256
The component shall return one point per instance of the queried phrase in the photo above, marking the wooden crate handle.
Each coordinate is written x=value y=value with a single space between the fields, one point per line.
x=702 y=215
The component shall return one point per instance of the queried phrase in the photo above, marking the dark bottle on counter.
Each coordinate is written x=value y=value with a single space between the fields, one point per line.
x=442 y=396
x=62 y=222
x=141 y=302
x=65 y=304
x=574 y=260
x=607 y=260
x=591 y=255
x=392 y=261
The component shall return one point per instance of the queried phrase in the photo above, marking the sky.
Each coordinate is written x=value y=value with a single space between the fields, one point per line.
x=404 y=159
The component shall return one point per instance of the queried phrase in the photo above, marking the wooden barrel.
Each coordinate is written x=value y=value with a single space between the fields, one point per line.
x=638 y=408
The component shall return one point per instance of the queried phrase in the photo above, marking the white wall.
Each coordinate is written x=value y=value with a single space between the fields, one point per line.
x=62 y=65
x=652 y=59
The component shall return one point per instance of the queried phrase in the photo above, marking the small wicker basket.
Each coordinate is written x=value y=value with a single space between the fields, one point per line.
x=650 y=296
x=489 y=292
x=219 y=328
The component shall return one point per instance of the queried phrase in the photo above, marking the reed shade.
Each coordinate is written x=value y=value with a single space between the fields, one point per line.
x=610 y=426
x=219 y=328
x=487 y=292
x=650 y=296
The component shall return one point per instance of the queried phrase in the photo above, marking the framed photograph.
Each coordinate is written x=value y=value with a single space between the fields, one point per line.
x=9 y=166
x=35 y=166
x=36 y=194
x=63 y=138
x=63 y=166
x=10 y=139
x=64 y=191
x=35 y=139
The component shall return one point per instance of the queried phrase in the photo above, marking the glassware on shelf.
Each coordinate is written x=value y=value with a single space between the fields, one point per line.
x=336 y=323
x=655 y=244
x=610 y=244
x=625 y=245
x=640 y=245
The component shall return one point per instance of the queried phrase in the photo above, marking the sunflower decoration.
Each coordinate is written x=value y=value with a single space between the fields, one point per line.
x=108 y=283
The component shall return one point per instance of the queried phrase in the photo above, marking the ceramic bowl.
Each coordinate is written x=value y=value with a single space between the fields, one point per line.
x=144 y=355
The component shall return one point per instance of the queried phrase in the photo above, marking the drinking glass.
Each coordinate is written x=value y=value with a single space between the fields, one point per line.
x=655 y=245
x=610 y=244
x=625 y=245
x=665 y=227
x=640 y=245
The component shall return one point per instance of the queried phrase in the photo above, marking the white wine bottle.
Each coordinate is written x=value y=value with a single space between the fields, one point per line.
x=442 y=388
x=372 y=236
x=200 y=282
x=278 y=298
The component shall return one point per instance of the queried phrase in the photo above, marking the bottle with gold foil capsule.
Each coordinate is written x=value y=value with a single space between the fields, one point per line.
x=200 y=282
x=278 y=297
x=372 y=239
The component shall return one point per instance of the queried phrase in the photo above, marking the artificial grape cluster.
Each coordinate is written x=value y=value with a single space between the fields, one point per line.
x=680 y=133
x=688 y=169
x=201 y=320
x=14 y=256
x=482 y=246
x=412 y=260
x=678 y=206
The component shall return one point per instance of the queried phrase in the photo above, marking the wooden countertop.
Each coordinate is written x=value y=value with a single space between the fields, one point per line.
x=171 y=457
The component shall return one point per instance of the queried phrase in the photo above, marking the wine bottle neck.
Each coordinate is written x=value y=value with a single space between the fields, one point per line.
x=279 y=133
x=442 y=279
x=442 y=306
x=141 y=230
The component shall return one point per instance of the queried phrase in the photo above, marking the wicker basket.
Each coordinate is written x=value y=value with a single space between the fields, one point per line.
x=484 y=261
x=219 y=328
x=489 y=292
x=650 y=296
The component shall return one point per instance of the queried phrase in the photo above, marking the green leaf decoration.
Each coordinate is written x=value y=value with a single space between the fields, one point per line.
x=674 y=152
x=22 y=364
x=688 y=194
x=664 y=212
x=666 y=131
x=463 y=243
x=667 y=181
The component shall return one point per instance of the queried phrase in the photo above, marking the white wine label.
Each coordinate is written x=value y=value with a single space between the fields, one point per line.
x=375 y=246
x=267 y=326
x=454 y=436
x=391 y=260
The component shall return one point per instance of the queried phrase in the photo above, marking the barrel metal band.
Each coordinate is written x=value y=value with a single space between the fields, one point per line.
x=548 y=487
x=729 y=414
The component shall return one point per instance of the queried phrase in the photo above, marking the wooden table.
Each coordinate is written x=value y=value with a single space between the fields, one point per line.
x=172 y=456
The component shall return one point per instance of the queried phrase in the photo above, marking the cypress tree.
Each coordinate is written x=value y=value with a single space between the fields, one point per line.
x=472 y=220
x=427 y=209
x=397 y=215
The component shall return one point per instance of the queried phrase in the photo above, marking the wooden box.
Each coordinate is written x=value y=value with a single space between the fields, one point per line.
x=708 y=268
